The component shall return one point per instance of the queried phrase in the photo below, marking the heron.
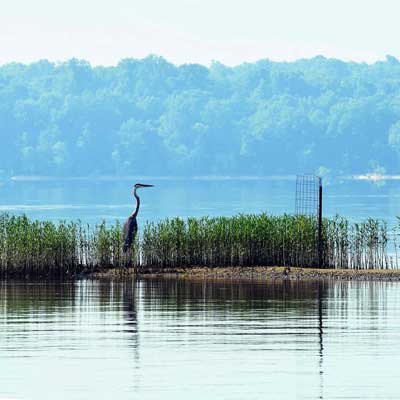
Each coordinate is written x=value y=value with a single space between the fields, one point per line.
x=130 y=226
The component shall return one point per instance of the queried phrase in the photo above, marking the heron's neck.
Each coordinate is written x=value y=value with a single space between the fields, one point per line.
x=135 y=213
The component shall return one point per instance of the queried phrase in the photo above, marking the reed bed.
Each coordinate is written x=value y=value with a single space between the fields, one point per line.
x=255 y=240
x=30 y=247
x=64 y=248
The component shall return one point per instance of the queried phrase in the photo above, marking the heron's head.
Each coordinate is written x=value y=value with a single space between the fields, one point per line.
x=141 y=185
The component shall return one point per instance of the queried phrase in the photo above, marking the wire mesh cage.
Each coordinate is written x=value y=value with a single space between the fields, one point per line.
x=307 y=195
x=309 y=204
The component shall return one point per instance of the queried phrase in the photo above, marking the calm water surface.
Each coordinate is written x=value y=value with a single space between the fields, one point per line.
x=168 y=339
x=172 y=340
x=93 y=201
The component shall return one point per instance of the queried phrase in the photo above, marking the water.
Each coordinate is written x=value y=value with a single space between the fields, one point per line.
x=95 y=200
x=176 y=340
x=172 y=339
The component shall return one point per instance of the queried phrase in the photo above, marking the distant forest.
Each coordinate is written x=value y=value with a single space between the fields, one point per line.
x=151 y=117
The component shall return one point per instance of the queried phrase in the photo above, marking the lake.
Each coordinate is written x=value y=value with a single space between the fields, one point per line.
x=171 y=339
x=93 y=200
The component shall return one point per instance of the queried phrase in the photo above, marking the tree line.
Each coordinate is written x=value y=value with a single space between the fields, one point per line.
x=151 y=117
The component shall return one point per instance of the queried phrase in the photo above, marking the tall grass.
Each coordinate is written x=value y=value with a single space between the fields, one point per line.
x=47 y=248
x=251 y=240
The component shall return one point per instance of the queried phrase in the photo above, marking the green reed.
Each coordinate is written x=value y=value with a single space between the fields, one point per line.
x=261 y=239
x=243 y=240
x=48 y=248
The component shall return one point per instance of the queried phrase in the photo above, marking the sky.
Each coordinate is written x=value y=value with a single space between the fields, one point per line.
x=198 y=31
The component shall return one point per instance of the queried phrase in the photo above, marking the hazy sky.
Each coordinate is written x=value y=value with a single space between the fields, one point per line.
x=230 y=31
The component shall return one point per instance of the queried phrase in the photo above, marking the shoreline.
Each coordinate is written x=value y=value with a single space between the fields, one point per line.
x=245 y=274
x=255 y=273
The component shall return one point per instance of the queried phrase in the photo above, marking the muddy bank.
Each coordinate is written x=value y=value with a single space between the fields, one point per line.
x=256 y=273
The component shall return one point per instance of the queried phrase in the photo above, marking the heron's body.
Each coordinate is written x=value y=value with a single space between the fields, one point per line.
x=130 y=231
x=131 y=226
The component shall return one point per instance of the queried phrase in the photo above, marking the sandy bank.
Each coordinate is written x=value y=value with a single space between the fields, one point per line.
x=257 y=273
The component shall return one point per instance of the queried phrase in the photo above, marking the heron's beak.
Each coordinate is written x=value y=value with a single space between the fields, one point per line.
x=143 y=185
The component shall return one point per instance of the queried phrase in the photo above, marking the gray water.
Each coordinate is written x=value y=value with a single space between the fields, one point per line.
x=169 y=339
x=93 y=200
x=179 y=340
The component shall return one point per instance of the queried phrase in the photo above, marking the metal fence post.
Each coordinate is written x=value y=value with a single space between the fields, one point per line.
x=320 y=244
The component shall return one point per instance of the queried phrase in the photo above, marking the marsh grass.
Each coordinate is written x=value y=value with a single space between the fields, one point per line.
x=261 y=239
x=30 y=247
x=64 y=248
